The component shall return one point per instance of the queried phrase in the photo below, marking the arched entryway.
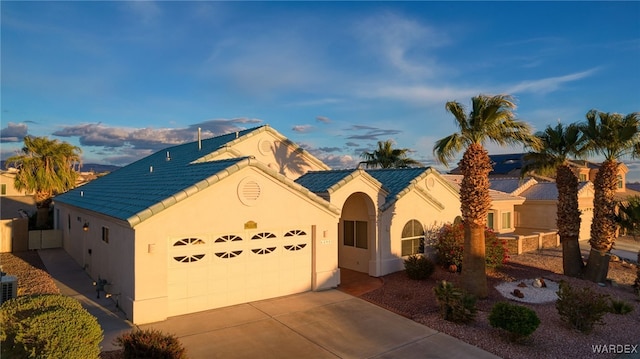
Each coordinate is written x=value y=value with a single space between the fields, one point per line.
x=357 y=233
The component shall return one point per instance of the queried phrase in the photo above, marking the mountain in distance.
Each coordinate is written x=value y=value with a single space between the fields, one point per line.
x=86 y=167
x=98 y=168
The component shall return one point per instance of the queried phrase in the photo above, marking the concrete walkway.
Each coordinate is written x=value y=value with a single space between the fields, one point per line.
x=74 y=282
x=328 y=324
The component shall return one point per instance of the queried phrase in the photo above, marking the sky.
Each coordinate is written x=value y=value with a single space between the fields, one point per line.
x=124 y=79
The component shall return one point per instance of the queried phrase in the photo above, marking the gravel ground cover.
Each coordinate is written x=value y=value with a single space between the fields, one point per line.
x=552 y=339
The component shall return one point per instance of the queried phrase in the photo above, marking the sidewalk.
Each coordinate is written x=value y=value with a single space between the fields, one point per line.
x=75 y=282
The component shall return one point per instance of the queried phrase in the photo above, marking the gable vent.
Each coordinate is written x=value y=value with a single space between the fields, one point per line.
x=251 y=191
x=265 y=147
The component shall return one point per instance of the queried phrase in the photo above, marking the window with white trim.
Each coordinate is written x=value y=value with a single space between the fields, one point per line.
x=506 y=220
x=412 y=238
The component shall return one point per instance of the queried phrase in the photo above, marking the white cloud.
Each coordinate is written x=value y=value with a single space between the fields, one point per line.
x=395 y=37
x=419 y=95
x=302 y=128
x=548 y=84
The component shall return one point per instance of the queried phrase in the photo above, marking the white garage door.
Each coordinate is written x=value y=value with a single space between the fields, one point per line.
x=218 y=270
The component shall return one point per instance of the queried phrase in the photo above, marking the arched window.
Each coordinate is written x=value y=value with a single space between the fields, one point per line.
x=412 y=238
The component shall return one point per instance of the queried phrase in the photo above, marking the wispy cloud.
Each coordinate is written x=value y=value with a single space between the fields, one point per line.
x=419 y=95
x=370 y=133
x=323 y=119
x=401 y=42
x=302 y=128
x=548 y=84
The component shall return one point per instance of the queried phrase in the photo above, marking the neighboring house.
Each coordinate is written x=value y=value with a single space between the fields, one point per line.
x=7 y=188
x=242 y=217
x=502 y=214
x=538 y=211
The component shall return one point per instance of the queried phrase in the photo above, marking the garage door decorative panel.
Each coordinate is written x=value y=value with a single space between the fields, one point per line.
x=214 y=271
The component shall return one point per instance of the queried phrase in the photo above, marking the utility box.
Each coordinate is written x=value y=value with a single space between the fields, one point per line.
x=9 y=288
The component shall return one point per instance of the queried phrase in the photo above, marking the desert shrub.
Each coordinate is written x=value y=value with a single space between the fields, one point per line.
x=518 y=320
x=48 y=326
x=150 y=344
x=581 y=308
x=619 y=307
x=418 y=267
x=450 y=242
x=456 y=305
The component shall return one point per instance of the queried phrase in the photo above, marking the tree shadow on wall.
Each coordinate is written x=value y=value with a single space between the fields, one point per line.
x=289 y=158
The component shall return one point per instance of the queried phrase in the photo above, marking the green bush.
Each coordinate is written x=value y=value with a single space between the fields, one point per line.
x=518 y=320
x=150 y=344
x=581 y=308
x=418 y=267
x=48 y=326
x=450 y=241
x=456 y=305
x=620 y=307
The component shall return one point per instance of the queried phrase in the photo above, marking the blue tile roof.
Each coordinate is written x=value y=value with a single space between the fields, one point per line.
x=321 y=181
x=135 y=192
x=397 y=179
x=393 y=181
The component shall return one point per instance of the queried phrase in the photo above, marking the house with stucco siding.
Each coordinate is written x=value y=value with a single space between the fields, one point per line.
x=241 y=217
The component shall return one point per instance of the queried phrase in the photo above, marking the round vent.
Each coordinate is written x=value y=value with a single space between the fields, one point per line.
x=430 y=183
x=249 y=191
x=265 y=147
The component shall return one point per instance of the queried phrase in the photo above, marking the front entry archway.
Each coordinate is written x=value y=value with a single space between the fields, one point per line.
x=357 y=233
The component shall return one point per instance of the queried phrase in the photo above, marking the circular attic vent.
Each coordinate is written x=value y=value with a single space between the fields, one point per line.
x=265 y=147
x=249 y=191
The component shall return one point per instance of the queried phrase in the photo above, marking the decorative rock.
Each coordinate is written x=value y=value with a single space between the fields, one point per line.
x=537 y=283
x=522 y=285
x=544 y=285
x=517 y=293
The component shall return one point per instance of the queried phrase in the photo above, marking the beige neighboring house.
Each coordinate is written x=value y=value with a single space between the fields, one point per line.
x=7 y=188
x=502 y=214
x=538 y=211
x=242 y=217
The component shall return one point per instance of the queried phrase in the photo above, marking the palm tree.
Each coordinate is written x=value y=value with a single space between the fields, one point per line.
x=46 y=168
x=613 y=137
x=385 y=156
x=558 y=144
x=491 y=119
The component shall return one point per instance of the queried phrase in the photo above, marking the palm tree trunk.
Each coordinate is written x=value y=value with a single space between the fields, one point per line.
x=603 y=227
x=568 y=221
x=474 y=205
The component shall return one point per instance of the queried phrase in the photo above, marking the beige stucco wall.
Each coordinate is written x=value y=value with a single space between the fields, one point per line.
x=111 y=261
x=273 y=149
x=540 y=215
x=498 y=208
x=218 y=210
x=414 y=205
x=7 y=180
x=365 y=196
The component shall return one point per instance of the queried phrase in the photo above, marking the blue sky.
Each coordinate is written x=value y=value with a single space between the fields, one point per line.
x=125 y=79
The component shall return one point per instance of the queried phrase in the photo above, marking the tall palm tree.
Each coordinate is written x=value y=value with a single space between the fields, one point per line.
x=491 y=119
x=558 y=145
x=385 y=156
x=612 y=136
x=46 y=168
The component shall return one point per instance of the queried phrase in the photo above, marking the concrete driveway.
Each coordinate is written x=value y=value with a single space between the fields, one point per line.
x=329 y=324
